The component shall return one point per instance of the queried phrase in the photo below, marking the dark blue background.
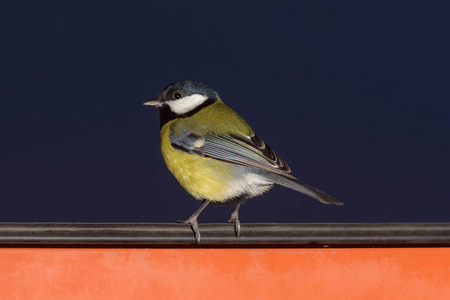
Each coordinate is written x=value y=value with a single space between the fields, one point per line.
x=353 y=95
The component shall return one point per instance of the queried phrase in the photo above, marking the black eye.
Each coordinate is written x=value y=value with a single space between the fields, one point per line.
x=176 y=95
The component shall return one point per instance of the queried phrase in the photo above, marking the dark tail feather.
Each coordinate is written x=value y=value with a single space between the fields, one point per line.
x=303 y=188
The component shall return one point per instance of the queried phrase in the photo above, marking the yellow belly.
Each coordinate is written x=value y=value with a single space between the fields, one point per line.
x=203 y=178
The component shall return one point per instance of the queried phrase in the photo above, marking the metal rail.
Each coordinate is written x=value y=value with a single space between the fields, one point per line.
x=155 y=235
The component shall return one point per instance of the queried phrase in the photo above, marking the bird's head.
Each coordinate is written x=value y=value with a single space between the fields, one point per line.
x=184 y=97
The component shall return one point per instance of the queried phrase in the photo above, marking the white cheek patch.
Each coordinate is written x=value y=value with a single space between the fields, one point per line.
x=186 y=104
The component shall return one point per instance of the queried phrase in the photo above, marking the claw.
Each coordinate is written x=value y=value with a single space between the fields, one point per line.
x=197 y=235
x=237 y=225
x=237 y=228
x=193 y=221
x=194 y=227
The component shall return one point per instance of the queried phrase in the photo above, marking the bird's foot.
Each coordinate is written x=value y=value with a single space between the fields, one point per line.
x=194 y=227
x=237 y=225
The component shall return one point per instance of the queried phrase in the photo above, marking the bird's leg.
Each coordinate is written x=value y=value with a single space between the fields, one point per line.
x=234 y=218
x=193 y=221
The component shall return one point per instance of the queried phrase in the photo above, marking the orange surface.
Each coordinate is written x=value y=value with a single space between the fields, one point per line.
x=409 y=273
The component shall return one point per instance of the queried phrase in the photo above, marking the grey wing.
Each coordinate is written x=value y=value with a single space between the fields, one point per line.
x=248 y=151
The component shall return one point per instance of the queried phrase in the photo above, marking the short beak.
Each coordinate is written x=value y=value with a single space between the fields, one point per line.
x=152 y=103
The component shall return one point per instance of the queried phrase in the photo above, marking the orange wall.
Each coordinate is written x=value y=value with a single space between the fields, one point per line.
x=383 y=273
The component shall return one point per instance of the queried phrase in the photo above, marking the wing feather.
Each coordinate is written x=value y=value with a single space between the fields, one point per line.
x=248 y=151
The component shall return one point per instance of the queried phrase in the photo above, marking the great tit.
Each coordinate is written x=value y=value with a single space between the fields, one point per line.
x=214 y=153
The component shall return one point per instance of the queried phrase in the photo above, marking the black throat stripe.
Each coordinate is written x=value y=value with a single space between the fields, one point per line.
x=167 y=115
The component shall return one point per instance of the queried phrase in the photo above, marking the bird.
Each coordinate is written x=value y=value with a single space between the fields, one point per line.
x=215 y=155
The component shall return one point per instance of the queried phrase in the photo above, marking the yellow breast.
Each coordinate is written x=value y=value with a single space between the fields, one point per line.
x=202 y=177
